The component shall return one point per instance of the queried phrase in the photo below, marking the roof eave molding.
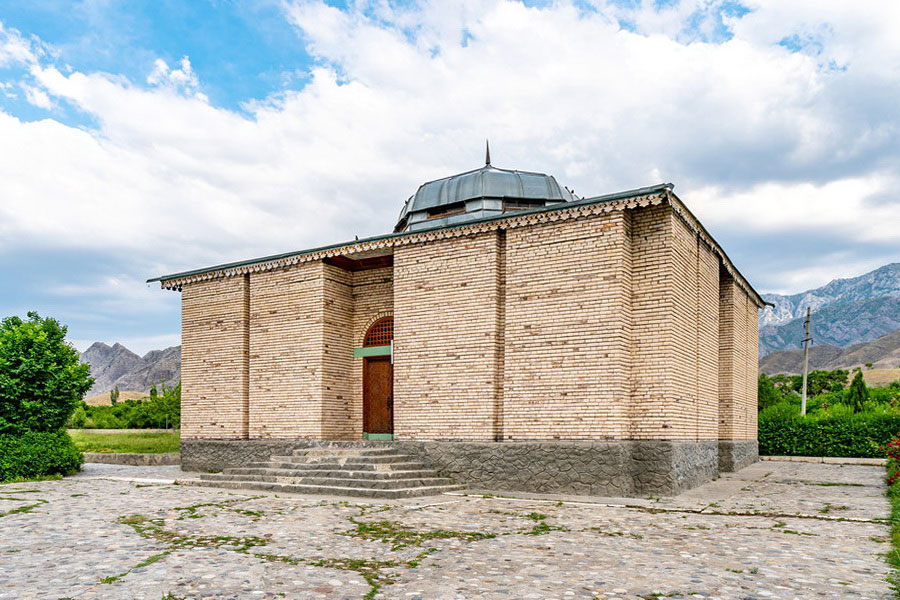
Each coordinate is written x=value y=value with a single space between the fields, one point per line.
x=643 y=197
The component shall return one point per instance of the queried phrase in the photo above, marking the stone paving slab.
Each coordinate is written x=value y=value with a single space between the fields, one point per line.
x=832 y=460
x=118 y=532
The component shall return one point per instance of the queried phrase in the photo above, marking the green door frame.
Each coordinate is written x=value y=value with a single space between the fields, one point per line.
x=376 y=351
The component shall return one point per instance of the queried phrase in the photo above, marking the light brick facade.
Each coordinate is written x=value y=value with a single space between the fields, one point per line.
x=618 y=320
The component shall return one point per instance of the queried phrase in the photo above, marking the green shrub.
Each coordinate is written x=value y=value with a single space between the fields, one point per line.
x=784 y=410
x=38 y=454
x=78 y=418
x=41 y=377
x=858 y=435
x=858 y=394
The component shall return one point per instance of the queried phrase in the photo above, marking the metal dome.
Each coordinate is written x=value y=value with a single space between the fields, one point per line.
x=478 y=194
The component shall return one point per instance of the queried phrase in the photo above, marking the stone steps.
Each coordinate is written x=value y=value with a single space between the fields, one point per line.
x=337 y=465
x=344 y=451
x=336 y=470
x=379 y=484
x=335 y=473
x=410 y=492
x=346 y=459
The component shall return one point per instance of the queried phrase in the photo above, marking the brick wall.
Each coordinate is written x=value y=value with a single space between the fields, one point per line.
x=286 y=357
x=738 y=341
x=675 y=310
x=750 y=355
x=651 y=306
x=214 y=359
x=610 y=326
x=337 y=354
x=445 y=334
x=567 y=336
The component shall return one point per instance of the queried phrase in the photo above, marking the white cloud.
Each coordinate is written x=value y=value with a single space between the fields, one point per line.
x=36 y=97
x=15 y=49
x=839 y=208
x=183 y=79
x=747 y=128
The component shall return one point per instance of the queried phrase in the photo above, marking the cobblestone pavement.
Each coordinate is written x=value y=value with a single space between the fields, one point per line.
x=773 y=530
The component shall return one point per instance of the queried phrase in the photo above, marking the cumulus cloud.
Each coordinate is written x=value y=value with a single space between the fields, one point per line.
x=183 y=79
x=36 y=97
x=758 y=114
x=15 y=48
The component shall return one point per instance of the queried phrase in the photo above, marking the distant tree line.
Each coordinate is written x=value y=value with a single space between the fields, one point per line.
x=842 y=419
x=160 y=410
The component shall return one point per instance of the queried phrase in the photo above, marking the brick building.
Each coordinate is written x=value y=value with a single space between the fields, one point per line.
x=510 y=333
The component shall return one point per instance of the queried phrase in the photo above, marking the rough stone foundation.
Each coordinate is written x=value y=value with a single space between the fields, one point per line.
x=215 y=455
x=598 y=468
x=734 y=455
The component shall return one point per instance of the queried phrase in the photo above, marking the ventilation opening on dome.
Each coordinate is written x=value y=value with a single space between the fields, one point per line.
x=446 y=211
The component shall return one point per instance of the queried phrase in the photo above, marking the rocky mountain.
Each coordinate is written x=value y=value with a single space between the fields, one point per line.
x=844 y=312
x=883 y=353
x=116 y=365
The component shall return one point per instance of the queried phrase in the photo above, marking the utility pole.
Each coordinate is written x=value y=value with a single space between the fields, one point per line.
x=806 y=341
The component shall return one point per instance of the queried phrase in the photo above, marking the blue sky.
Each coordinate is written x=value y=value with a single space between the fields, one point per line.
x=141 y=138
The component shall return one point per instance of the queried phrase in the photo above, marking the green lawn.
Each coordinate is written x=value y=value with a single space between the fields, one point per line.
x=142 y=443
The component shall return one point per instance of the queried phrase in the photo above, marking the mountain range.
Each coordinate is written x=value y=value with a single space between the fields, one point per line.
x=845 y=312
x=882 y=353
x=116 y=365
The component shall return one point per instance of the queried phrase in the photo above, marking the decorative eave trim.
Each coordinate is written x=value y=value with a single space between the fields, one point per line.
x=694 y=224
x=507 y=222
x=562 y=213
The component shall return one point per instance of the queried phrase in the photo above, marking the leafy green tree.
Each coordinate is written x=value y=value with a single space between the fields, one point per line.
x=153 y=391
x=78 y=418
x=766 y=393
x=820 y=382
x=858 y=394
x=114 y=395
x=41 y=378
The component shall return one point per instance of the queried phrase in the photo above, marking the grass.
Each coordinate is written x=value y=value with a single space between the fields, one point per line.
x=399 y=536
x=131 y=443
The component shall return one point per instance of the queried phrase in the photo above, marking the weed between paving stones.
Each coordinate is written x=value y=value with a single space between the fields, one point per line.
x=6 y=495
x=400 y=536
x=224 y=505
x=372 y=571
x=376 y=573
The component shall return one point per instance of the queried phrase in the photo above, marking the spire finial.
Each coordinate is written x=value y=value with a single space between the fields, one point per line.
x=487 y=153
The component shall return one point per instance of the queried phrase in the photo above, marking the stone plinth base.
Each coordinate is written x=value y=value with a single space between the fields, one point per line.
x=215 y=455
x=734 y=455
x=597 y=468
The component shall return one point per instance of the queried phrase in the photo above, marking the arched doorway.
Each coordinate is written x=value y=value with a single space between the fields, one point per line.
x=378 y=380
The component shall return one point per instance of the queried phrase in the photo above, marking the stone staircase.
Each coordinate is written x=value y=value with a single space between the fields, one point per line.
x=335 y=470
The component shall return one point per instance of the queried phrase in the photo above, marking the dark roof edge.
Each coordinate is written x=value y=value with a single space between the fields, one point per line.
x=553 y=207
x=662 y=188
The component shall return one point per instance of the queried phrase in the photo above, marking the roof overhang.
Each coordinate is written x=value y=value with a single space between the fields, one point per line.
x=382 y=244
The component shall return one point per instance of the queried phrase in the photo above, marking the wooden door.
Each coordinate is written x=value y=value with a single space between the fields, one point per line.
x=378 y=395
